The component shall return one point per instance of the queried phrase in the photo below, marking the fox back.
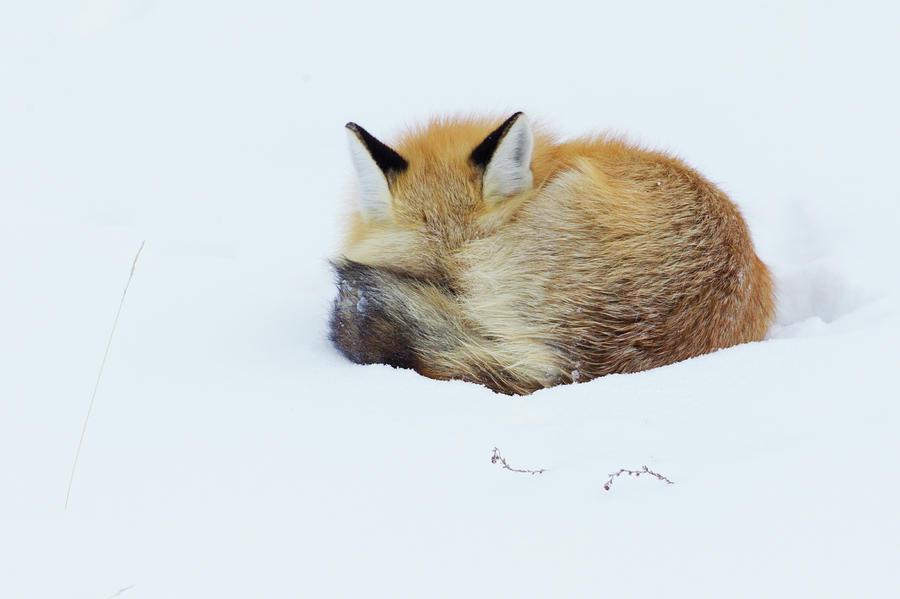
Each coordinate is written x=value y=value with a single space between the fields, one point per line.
x=498 y=255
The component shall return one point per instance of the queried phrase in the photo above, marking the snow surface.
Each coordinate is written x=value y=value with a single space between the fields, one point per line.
x=233 y=453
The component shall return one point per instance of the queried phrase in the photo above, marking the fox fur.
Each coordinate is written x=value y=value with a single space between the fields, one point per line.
x=501 y=256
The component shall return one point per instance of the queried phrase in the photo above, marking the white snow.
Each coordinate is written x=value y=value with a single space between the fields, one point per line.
x=233 y=453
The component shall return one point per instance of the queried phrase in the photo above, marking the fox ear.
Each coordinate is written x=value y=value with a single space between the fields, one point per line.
x=505 y=158
x=376 y=164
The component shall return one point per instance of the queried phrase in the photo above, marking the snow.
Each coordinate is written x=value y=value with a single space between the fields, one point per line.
x=233 y=453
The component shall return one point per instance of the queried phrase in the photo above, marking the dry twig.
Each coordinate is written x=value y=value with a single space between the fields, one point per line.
x=120 y=591
x=496 y=457
x=100 y=374
x=645 y=470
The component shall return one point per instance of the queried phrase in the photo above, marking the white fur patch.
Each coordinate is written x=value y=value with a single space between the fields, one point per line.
x=509 y=171
x=374 y=199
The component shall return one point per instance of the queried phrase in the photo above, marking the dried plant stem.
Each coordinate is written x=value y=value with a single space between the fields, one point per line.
x=120 y=591
x=100 y=374
x=644 y=470
x=496 y=457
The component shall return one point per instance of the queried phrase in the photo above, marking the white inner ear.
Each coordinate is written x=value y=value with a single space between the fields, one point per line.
x=509 y=171
x=374 y=199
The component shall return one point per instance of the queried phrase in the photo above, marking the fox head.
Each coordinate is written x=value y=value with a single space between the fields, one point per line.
x=448 y=183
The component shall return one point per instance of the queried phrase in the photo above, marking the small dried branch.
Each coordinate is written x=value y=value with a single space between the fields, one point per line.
x=120 y=591
x=636 y=473
x=100 y=375
x=496 y=457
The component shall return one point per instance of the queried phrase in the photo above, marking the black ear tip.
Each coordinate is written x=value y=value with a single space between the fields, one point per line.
x=387 y=159
x=482 y=155
x=515 y=117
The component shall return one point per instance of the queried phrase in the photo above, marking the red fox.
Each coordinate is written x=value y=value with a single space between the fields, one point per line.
x=501 y=256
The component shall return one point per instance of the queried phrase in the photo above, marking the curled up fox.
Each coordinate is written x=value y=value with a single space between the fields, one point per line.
x=499 y=255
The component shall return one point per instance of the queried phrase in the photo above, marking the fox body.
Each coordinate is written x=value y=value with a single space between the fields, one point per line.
x=500 y=256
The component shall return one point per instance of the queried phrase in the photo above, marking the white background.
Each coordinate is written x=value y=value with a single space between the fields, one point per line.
x=233 y=453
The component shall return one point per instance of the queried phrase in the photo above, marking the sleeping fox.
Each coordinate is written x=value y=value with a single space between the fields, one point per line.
x=501 y=256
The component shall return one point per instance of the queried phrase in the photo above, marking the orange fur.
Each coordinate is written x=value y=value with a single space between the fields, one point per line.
x=617 y=260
